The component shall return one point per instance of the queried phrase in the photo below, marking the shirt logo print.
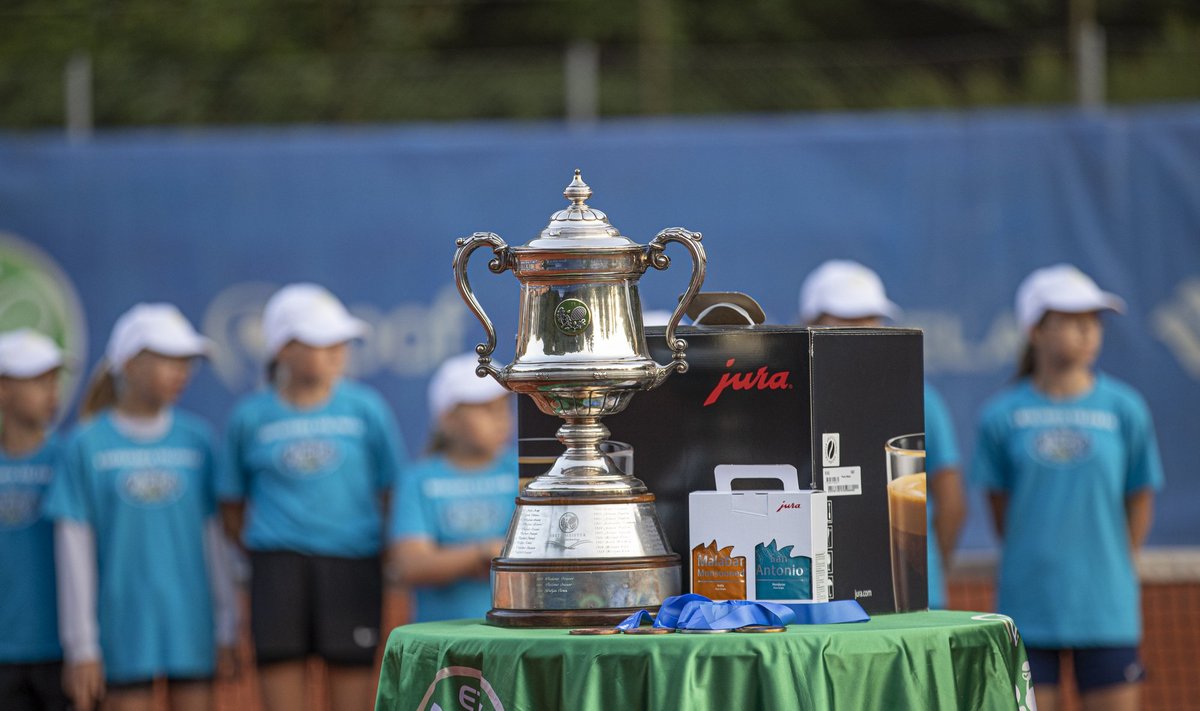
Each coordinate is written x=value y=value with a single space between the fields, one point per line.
x=310 y=457
x=1062 y=447
x=153 y=487
x=18 y=508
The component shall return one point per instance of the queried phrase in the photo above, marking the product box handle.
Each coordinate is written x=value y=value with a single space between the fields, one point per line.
x=725 y=474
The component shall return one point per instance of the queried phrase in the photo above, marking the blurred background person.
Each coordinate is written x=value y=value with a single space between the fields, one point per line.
x=30 y=654
x=846 y=293
x=453 y=508
x=143 y=587
x=308 y=466
x=1070 y=462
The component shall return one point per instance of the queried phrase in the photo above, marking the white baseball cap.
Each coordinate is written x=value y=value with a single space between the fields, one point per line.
x=455 y=383
x=159 y=328
x=1062 y=287
x=844 y=289
x=25 y=353
x=308 y=313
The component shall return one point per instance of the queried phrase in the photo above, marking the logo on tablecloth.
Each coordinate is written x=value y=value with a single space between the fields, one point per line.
x=460 y=688
x=1009 y=626
x=1026 y=701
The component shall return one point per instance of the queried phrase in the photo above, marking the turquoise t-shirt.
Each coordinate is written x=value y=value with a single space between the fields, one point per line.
x=941 y=452
x=147 y=503
x=312 y=478
x=28 y=613
x=436 y=500
x=1066 y=573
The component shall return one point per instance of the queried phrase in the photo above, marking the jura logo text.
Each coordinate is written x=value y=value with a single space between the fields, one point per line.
x=759 y=379
x=788 y=505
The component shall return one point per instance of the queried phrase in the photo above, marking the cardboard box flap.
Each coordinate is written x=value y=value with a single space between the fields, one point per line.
x=725 y=308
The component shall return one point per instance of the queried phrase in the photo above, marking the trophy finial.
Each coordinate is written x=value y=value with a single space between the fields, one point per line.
x=578 y=191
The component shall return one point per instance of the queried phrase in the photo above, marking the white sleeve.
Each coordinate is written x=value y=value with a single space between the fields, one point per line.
x=220 y=576
x=75 y=564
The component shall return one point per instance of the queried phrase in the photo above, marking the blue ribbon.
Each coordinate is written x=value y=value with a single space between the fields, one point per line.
x=697 y=612
x=635 y=620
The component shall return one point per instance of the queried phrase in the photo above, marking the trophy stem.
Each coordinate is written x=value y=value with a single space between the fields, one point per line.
x=582 y=437
x=584 y=469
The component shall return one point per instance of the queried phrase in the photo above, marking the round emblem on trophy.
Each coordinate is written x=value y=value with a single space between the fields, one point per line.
x=572 y=316
x=568 y=522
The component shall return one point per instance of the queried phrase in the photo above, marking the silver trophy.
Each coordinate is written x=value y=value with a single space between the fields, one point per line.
x=585 y=546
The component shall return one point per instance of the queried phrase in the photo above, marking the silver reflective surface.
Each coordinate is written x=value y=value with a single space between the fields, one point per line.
x=583 y=590
x=581 y=349
x=567 y=531
x=581 y=354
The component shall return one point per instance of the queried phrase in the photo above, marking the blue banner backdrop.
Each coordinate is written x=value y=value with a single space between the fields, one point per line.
x=952 y=209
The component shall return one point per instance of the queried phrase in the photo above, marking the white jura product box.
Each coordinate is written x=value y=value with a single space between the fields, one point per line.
x=769 y=545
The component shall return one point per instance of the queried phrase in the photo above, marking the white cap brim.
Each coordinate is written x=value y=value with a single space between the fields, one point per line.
x=1083 y=303
x=181 y=346
x=883 y=309
x=847 y=307
x=1074 y=304
x=327 y=333
x=35 y=366
x=25 y=353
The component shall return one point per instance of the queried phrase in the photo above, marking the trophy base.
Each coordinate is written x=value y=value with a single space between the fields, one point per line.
x=579 y=592
x=561 y=618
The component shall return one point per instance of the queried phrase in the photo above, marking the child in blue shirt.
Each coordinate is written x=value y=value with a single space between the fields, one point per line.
x=1069 y=459
x=308 y=465
x=142 y=586
x=30 y=655
x=453 y=509
x=844 y=293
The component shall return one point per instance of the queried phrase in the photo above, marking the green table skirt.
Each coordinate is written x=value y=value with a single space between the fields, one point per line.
x=922 y=660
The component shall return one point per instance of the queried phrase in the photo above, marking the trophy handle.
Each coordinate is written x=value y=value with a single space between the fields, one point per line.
x=656 y=257
x=498 y=264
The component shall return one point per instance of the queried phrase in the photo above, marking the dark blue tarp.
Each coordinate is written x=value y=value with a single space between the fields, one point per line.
x=953 y=209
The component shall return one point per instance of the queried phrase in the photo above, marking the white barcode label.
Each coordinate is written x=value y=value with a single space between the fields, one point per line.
x=820 y=576
x=843 y=481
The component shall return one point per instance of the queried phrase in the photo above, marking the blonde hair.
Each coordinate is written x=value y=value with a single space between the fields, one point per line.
x=101 y=392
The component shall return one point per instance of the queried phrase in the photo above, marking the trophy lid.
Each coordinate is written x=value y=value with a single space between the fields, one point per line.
x=580 y=226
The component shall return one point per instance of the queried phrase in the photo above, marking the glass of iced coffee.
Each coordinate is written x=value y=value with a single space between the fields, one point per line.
x=906 y=515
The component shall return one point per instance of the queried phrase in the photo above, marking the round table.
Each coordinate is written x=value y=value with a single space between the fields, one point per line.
x=920 y=660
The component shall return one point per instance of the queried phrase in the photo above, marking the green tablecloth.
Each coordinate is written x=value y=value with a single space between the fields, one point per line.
x=923 y=660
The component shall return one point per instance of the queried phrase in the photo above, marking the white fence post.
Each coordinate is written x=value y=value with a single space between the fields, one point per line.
x=77 y=90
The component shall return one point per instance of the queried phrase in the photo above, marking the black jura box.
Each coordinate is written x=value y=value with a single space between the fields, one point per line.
x=825 y=400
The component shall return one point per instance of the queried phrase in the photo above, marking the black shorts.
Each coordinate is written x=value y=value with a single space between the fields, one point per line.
x=148 y=684
x=1095 y=667
x=306 y=605
x=32 y=687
